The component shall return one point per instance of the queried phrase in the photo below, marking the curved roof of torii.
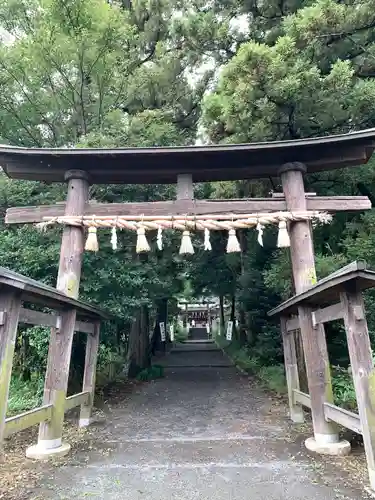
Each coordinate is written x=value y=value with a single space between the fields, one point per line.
x=160 y=165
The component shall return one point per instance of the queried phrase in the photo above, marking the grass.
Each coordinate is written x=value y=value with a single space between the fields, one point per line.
x=24 y=395
x=152 y=373
x=343 y=388
x=271 y=377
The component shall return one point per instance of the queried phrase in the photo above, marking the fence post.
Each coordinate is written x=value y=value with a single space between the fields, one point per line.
x=55 y=388
x=89 y=375
x=362 y=369
x=10 y=305
x=291 y=371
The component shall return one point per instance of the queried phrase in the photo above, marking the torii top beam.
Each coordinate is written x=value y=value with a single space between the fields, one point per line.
x=160 y=165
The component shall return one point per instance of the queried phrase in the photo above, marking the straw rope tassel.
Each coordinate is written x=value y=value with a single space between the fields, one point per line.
x=233 y=243
x=260 y=233
x=207 y=243
x=159 y=239
x=92 y=240
x=186 y=244
x=283 y=240
x=114 y=238
x=142 y=243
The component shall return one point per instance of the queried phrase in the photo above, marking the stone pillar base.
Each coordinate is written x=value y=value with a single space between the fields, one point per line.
x=338 y=448
x=371 y=473
x=85 y=422
x=39 y=452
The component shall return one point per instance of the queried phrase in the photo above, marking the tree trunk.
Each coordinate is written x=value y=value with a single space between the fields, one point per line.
x=139 y=352
x=24 y=354
x=222 y=318
x=242 y=333
x=242 y=327
x=302 y=373
x=161 y=317
x=233 y=315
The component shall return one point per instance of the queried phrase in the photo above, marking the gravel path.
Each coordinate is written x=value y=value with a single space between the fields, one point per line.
x=203 y=432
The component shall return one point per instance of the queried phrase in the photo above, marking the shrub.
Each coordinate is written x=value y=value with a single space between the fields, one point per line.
x=24 y=395
x=273 y=377
x=181 y=334
x=151 y=373
x=343 y=388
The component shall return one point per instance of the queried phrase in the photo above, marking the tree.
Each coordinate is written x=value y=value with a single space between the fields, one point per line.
x=89 y=74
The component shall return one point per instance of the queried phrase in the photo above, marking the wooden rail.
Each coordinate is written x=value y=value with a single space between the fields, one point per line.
x=33 y=417
x=343 y=417
x=27 y=419
x=332 y=412
x=292 y=324
x=38 y=318
x=302 y=398
x=78 y=399
x=22 y=215
x=327 y=314
x=319 y=316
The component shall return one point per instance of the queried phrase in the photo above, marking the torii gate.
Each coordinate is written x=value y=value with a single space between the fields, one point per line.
x=287 y=159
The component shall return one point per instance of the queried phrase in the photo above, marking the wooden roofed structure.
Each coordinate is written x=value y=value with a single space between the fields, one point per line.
x=158 y=165
x=289 y=160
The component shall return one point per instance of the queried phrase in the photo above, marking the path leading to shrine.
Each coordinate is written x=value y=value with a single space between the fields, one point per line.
x=203 y=432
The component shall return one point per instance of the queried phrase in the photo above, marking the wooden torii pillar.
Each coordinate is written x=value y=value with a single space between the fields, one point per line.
x=60 y=343
x=326 y=438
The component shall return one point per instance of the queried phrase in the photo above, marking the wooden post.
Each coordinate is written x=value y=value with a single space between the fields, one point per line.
x=185 y=188
x=60 y=345
x=291 y=370
x=301 y=244
x=10 y=306
x=55 y=387
x=318 y=376
x=304 y=276
x=92 y=344
x=362 y=369
x=73 y=239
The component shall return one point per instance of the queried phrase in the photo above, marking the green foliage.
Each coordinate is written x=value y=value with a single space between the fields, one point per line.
x=24 y=395
x=181 y=334
x=151 y=373
x=273 y=378
x=343 y=388
x=278 y=276
x=110 y=363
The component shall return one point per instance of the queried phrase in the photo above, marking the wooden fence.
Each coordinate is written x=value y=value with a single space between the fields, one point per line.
x=67 y=315
x=339 y=296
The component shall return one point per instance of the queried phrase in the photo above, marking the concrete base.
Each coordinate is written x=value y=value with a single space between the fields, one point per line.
x=37 y=452
x=371 y=490
x=339 y=449
x=85 y=422
x=297 y=417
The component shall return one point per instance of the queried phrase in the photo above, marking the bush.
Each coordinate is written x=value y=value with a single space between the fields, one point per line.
x=24 y=395
x=273 y=377
x=110 y=364
x=181 y=334
x=343 y=388
x=151 y=373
